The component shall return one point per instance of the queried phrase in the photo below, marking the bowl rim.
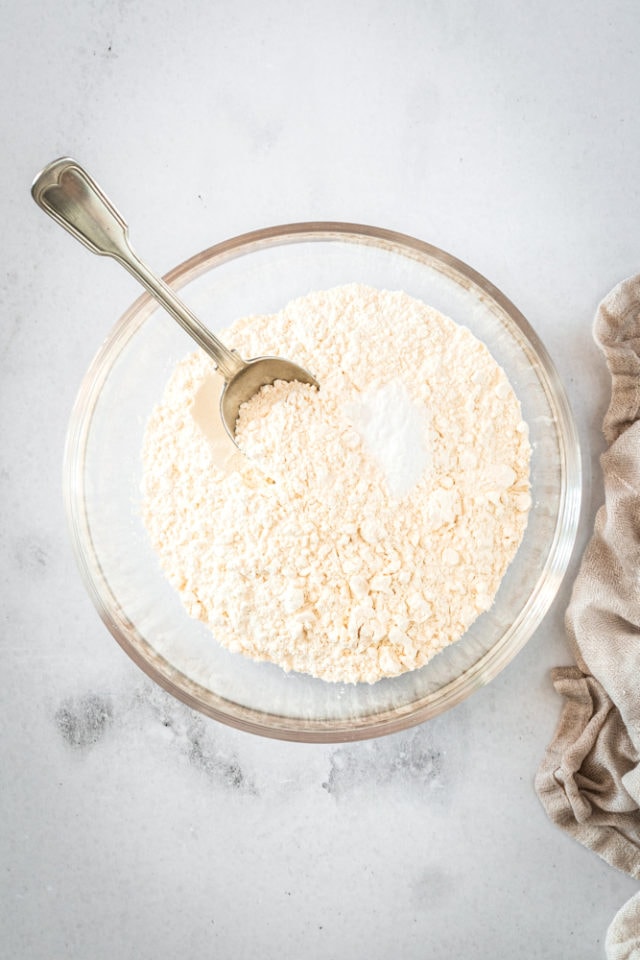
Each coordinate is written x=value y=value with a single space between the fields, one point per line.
x=275 y=726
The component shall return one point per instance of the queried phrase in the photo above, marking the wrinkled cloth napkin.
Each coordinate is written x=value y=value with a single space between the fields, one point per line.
x=589 y=779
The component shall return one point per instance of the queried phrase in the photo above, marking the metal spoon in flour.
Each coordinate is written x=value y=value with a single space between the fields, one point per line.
x=68 y=194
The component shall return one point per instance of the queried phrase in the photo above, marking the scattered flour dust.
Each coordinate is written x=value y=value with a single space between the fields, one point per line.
x=400 y=489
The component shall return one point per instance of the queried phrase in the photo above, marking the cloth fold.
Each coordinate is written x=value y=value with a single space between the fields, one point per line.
x=589 y=779
x=623 y=936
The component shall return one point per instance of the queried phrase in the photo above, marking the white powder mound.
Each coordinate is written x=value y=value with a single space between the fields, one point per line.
x=394 y=433
x=388 y=504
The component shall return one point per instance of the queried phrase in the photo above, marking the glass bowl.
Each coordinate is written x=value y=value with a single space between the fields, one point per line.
x=260 y=272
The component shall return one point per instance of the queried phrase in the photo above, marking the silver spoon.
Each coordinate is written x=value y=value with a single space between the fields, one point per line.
x=68 y=194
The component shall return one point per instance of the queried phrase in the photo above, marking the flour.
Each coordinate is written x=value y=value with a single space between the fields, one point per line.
x=397 y=495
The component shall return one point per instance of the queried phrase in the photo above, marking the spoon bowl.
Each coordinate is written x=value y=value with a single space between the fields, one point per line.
x=65 y=191
x=257 y=373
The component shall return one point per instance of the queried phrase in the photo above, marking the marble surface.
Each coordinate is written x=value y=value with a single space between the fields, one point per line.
x=506 y=133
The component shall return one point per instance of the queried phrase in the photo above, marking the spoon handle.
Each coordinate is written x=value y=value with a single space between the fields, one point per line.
x=68 y=194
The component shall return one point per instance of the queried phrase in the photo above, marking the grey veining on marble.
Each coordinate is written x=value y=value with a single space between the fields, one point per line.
x=506 y=133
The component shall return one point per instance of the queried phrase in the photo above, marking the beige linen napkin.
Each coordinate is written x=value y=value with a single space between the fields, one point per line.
x=589 y=780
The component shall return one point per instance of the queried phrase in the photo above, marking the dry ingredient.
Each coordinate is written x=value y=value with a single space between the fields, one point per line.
x=399 y=493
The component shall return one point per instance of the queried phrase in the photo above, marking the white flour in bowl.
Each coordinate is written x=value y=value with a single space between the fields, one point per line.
x=398 y=492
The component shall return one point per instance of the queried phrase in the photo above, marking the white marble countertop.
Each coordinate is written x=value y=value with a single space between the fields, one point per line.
x=505 y=133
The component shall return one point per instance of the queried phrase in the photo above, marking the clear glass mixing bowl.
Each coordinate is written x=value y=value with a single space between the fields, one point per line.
x=260 y=272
